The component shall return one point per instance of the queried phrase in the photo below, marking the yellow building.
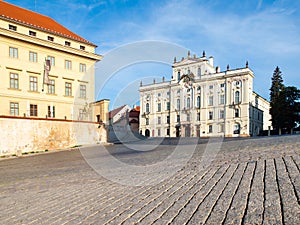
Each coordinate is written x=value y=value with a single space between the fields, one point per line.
x=27 y=40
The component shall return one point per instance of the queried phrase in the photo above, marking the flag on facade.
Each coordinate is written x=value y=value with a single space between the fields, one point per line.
x=47 y=68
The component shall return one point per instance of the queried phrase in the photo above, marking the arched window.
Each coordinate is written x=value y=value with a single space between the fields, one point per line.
x=237 y=97
x=147 y=107
x=178 y=104
x=237 y=128
x=188 y=102
x=198 y=102
x=178 y=76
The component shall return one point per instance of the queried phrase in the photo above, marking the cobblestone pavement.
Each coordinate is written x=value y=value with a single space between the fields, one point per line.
x=250 y=181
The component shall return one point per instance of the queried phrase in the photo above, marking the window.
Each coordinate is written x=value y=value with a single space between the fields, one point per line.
x=188 y=117
x=147 y=121
x=210 y=100
x=236 y=128
x=32 y=56
x=68 y=64
x=199 y=72
x=178 y=76
x=222 y=99
x=159 y=120
x=158 y=132
x=51 y=87
x=159 y=107
x=147 y=107
x=221 y=114
x=188 y=103
x=210 y=128
x=211 y=87
x=168 y=119
x=52 y=60
x=81 y=114
x=67 y=43
x=82 y=67
x=50 y=38
x=33 y=83
x=168 y=105
x=13 y=52
x=51 y=111
x=222 y=85
x=189 y=72
x=159 y=95
x=198 y=102
x=33 y=110
x=12 y=27
x=14 y=81
x=210 y=115
x=14 y=108
x=68 y=89
x=168 y=132
x=32 y=33
x=178 y=104
x=236 y=113
x=82 y=47
x=198 y=116
x=82 y=91
x=178 y=119
x=237 y=97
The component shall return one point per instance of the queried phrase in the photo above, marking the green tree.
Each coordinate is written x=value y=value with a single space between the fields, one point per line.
x=277 y=101
x=292 y=107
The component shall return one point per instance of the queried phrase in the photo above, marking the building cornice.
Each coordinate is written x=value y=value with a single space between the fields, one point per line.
x=49 y=44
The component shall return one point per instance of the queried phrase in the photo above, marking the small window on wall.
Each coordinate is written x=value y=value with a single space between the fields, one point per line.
x=51 y=111
x=237 y=97
x=51 y=87
x=68 y=89
x=33 y=56
x=68 y=64
x=82 y=47
x=33 y=110
x=210 y=128
x=14 y=81
x=13 y=52
x=158 y=107
x=82 y=91
x=12 y=27
x=188 y=103
x=236 y=113
x=14 y=108
x=178 y=76
x=49 y=38
x=147 y=121
x=82 y=67
x=52 y=60
x=198 y=102
x=67 y=43
x=32 y=33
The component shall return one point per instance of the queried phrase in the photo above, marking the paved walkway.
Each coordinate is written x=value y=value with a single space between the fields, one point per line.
x=252 y=181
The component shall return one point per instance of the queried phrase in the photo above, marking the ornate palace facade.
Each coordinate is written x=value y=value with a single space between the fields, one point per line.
x=202 y=101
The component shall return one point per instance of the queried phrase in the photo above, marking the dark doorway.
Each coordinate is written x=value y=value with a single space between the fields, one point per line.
x=147 y=133
x=177 y=131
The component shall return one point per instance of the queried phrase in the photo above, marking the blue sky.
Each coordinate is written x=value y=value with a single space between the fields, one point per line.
x=266 y=33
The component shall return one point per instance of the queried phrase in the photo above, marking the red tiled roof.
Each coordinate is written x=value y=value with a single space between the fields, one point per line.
x=39 y=21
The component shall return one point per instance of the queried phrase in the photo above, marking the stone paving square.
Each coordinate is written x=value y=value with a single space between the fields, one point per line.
x=247 y=181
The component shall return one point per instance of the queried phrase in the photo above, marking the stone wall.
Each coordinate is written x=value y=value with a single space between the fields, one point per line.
x=20 y=135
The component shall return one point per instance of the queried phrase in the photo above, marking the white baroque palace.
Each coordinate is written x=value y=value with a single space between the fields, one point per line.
x=201 y=101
